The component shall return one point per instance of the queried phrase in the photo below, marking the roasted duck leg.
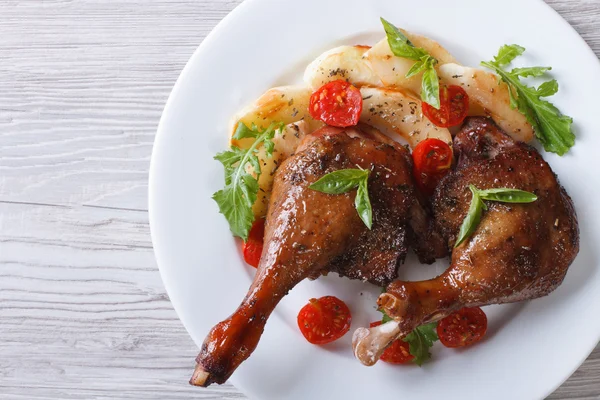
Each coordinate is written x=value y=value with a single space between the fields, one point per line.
x=518 y=252
x=309 y=233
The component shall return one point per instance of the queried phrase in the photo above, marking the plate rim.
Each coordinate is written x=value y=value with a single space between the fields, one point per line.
x=169 y=105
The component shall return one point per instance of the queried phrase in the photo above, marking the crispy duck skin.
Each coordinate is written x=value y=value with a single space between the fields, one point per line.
x=518 y=251
x=309 y=233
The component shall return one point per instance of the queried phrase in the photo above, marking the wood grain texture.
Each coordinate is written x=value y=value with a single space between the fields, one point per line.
x=83 y=313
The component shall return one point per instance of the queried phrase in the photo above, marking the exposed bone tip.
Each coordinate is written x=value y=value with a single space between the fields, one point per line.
x=358 y=343
x=369 y=344
x=200 y=376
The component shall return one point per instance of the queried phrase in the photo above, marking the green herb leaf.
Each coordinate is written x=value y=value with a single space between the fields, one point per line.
x=402 y=47
x=477 y=206
x=243 y=132
x=228 y=159
x=345 y=180
x=363 y=204
x=507 y=54
x=430 y=86
x=552 y=128
x=507 y=195
x=341 y=181
x=236 y=199
x=547 y=89
x=399 y=43
x=417 y=67
x=530 y=71
x=473 y=217
x=420 y=341
x=386 y=318
x=514 y=103
x=235 y=203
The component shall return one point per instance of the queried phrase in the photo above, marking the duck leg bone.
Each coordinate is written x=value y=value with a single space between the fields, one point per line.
x=369 y=344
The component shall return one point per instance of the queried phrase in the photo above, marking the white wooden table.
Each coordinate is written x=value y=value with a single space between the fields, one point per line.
x=83 y=313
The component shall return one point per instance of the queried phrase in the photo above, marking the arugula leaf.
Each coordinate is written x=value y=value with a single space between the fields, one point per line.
x=236 y=199
x=508 y=53
x=243 y=132
x=345 y=180
x=531 y=71
x=552 y=128
x=477 y=206
x=548 y=88
x=402 y=47
x=420 y=341
x=228 y=159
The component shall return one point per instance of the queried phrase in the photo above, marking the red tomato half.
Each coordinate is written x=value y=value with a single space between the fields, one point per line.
x=462 y=328
x=324 y=320
x=253 y=248
x=336 y=103
x=396 y=353
x=454 y=106
x=432 y=160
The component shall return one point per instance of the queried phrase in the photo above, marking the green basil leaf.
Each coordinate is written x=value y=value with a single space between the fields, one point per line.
x=530 y=71
x=473 y=217
x=399 y=43
x=402 y=47
x=417 y=67
x=341 y=181
x=420 y=340
x=430 y=86
x=504 y=195
x=363 y=203
x=507 y=54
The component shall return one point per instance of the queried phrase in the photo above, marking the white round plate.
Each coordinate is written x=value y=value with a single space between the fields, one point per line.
x=531 y=348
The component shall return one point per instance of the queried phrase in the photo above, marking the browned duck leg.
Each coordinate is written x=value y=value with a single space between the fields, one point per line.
x=517 y=252
x=308 y=232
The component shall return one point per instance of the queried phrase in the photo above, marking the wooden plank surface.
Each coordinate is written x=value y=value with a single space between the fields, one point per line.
x=83 y=313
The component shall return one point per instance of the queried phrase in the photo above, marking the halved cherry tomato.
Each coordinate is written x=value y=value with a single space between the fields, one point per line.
x=252 y=248
x=463 y=327
x=432 y=160
x=396 y=353
x=454 y=106
x=336 y=103
x=324 y=320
